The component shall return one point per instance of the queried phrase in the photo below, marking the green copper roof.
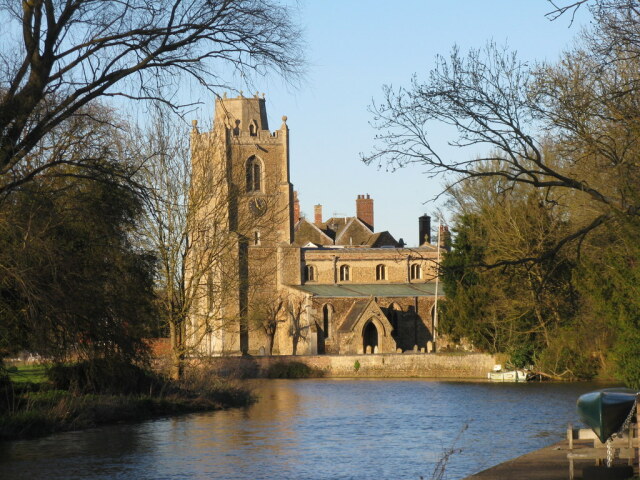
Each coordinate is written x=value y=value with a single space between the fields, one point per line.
x=371 y=290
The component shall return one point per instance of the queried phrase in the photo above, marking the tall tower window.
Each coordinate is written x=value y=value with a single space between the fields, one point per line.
x=381 y=272
x=310 y=273
x=327 y=312
x=256 y=238
x=345 y=273
x=254 y=175
x=416 y=272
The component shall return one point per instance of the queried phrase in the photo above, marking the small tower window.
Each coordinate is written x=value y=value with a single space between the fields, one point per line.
x=416 y=272
x=345 y=273
x=254 y=175
x=253 y=128
x=381 y=272
x=309 y=273
x=256 y=238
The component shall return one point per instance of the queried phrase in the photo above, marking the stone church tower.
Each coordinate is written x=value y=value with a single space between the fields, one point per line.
x=266 y=281
x=250 y=212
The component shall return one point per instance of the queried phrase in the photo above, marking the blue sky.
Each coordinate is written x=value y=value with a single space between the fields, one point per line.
x=353 y=49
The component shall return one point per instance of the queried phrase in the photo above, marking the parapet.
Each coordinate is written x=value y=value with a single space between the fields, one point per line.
x=245 y=117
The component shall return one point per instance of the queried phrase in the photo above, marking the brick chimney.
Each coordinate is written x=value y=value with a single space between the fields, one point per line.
x=296 y=208
x=317 y=214
x=364 y=210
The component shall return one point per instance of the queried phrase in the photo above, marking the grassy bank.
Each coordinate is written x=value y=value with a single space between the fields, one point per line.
x=33 y=405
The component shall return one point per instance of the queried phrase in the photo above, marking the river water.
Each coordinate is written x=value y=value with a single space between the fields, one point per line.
x=316 y=429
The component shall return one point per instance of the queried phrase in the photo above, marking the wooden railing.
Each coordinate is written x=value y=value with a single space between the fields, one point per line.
x=624 y=448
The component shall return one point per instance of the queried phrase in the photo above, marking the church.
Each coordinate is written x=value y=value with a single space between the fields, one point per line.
x=280 y=284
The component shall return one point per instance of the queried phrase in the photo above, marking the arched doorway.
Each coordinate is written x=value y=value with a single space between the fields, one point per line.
x=369 y=337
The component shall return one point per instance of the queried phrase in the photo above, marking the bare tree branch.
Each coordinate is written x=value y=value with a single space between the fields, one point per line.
x=72 y=53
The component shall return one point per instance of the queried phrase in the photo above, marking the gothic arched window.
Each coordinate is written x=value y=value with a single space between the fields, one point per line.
x=254 y=175
x=381 y=272
x=344 y=273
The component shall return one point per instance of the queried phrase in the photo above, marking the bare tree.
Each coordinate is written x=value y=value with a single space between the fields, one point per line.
x=568 y=129
x=561 y=8
x=188 y=225
x=268 y=314
x=72 y=52
x=298 y=326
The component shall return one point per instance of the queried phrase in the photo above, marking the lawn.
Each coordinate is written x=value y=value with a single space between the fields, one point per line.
x=28 y=373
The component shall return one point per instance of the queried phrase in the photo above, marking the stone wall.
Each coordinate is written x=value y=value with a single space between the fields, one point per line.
x=363 y=263
x=441 y=365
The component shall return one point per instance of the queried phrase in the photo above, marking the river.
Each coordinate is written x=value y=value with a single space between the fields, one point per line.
x=316 y=429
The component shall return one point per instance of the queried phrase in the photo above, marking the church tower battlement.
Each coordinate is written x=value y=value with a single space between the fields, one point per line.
x=247 y=115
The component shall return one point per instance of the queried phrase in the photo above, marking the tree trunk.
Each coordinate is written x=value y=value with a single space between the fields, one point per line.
x=176 y=368
x=272 y=338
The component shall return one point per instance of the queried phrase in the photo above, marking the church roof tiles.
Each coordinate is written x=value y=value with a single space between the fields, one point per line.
x=347 y=231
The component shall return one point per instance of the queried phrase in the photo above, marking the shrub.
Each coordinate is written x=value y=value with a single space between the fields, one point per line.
x=521 y=356
x=292 y=370
x=567 y=358
x=104 y=375
x=7 y=392
x=207 y=385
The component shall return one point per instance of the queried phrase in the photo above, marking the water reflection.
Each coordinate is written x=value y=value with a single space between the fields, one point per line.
x=315 y=429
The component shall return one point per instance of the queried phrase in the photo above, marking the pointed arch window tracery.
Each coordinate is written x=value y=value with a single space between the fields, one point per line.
x=254 y=175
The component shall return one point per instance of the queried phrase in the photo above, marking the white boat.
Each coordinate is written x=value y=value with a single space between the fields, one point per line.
x=500 y=375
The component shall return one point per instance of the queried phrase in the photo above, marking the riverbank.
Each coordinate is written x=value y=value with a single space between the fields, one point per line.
x=387 y=365
x=34 y=409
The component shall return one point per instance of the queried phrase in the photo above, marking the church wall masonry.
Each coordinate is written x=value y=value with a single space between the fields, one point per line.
x=363 y=262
